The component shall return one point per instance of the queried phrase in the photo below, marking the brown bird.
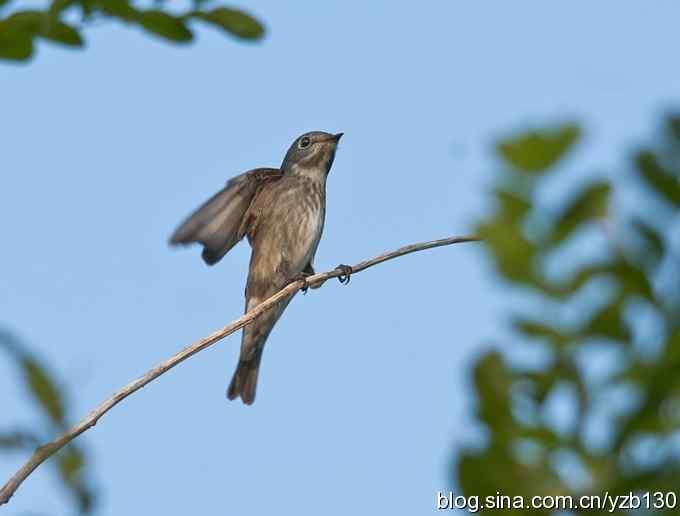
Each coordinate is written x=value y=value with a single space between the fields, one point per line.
x=282 y=213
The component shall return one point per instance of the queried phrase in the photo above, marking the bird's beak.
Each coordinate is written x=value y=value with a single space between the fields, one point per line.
x=337 y=137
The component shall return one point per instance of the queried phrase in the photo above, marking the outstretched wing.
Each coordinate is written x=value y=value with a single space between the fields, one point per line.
x=217 y=223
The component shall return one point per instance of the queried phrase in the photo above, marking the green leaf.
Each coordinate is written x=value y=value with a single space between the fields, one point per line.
x=37 y=379
x=60 y=32
x=495 y=470
x=654 y=246
x=673 y=128
x=15 y=47
x=633 y=280
x=85 y=498
x=591 y=203
x=18 y=440
x=543 y=435
x=71 y=462
x=541 y=384
x=165 y=25
x=536 y=151
x=57 y=6
x=493 y=381
x=664 y=479
x=574 y=283
x=87 y=7
x=513 y=253
x=18 y=30
x=537 y=330
x=659 y=179
x=118 y=8
x=659 y=383
x=608 y=323
x=512 y=207
x=26 y=22
x=16 y=34
x=234 y=22
x=43 y=389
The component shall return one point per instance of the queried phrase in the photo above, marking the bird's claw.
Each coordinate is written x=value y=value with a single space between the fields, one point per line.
x=302 y=277
x=346 y=273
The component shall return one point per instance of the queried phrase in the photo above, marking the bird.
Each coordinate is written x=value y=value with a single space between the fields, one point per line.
x=282 y=213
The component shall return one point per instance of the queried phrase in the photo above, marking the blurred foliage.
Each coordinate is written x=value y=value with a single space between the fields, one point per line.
x=598 y=287
x=63 y=21
x=50 y=400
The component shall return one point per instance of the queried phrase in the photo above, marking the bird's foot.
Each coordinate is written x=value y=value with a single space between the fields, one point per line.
x=302 y=276
x=346 y=273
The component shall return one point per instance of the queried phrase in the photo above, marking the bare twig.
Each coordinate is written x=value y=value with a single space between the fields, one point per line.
x=42 y=453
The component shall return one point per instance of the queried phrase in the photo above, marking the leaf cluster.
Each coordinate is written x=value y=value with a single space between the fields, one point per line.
x=50 y=399
x=20 y=29
x=583 y=421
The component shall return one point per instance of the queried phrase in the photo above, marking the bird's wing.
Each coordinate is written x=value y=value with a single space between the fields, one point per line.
x=217 y=224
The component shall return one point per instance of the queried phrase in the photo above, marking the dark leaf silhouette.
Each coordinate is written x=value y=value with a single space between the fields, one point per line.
x=43 y=389
x=513 y=206
x=60 y=32
x=15 y=46
x=661 y=180
x=18 y=440
x=232 y=21
x=539 y=330
x=608 y=322
x=165 y=25
x=654 y=246
x=492 y=380
x=589 y=205
x=116 y=8
x=71 y=462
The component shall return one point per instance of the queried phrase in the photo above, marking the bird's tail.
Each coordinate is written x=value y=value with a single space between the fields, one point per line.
x=244 y=381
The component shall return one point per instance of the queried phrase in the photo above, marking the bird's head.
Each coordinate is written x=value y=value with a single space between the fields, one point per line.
x=312 y=153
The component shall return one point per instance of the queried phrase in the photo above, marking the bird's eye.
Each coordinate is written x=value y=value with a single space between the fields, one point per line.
x=304 y=142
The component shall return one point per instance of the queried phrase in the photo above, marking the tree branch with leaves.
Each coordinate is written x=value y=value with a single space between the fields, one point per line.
x=599 y=282
x=64 y=21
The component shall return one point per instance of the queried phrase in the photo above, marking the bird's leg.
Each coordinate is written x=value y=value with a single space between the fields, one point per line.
x=309 y=270
x=346 y=273
x=302 y=276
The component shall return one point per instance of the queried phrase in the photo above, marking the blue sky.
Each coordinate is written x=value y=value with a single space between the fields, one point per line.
x=364 y=391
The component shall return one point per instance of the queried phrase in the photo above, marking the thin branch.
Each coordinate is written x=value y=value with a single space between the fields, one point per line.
x=42 y=453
